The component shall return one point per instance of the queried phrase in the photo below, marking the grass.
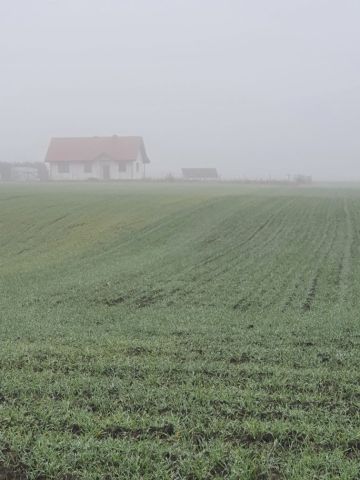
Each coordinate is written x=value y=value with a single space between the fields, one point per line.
x=179 y=332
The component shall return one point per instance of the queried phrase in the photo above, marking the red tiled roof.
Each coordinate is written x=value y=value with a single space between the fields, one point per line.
x=87 y=149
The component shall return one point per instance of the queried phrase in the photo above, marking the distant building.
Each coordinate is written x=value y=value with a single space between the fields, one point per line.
x=303 y=179
x=23 y=172
x=200 y=173
x=97 y=158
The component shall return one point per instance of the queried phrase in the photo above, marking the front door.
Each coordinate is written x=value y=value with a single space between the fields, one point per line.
x=106 y=172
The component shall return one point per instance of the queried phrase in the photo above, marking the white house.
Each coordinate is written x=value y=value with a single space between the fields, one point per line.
x=100 y=158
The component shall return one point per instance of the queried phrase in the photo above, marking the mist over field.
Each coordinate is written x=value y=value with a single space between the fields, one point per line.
x=254 y=88
x=187 y=328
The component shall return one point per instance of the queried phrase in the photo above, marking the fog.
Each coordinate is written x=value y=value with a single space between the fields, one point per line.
x=254 y=88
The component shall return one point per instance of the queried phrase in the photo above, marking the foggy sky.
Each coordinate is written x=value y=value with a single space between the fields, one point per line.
x=252 y=87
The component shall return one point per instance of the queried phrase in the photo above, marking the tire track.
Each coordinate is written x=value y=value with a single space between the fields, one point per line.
x=345 y=264
x=314 y=282
x=264 y=291
x=235 y=246
x=319 y=242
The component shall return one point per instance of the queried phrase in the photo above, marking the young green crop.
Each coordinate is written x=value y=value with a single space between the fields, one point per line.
x=153 y=331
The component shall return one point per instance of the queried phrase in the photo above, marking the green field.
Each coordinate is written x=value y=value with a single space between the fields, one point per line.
x=158 y=331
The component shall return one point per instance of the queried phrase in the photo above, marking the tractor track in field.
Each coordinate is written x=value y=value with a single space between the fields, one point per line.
x=301 y=273
x=310 y=296
x=275 y=269
x=260 y=288
x=272 y=269
x=235 y=246
x=204 y=276
x=314 y=282
x=234 y=260
x=217 y=257
x=264 y=274
x=345 y=263
x=263 y=285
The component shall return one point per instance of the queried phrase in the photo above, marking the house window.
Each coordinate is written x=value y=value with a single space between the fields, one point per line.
x=63 y=167
x=137 y=168
x=88 y=167
x=122 y=167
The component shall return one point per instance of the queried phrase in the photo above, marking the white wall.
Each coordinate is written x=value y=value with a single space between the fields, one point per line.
x=77 y=170
x=140 y=162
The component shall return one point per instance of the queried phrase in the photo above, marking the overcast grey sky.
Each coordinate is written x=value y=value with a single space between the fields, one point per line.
x=253 y=87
